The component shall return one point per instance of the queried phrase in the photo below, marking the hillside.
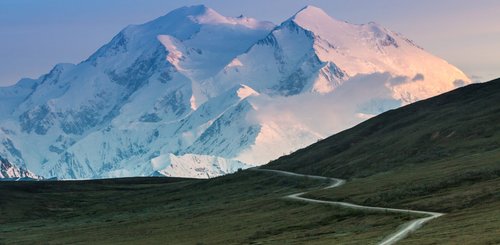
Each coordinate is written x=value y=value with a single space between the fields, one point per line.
x=458 y=123
x=441 y=154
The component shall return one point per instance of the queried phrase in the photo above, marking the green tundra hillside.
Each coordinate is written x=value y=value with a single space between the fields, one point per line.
x=441 y=154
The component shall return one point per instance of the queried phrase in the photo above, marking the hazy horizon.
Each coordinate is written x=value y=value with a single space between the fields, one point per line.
x=34 y=35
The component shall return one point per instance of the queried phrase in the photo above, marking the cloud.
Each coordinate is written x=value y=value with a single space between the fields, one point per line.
x=329 y=113
x=293 y=122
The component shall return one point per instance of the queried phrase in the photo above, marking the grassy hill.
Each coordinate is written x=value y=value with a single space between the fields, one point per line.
x=242 y=208
x=458 y=123
x=442 y=154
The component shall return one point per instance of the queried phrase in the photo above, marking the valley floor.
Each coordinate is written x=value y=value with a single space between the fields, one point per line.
x=248 y=208
x=243 y=208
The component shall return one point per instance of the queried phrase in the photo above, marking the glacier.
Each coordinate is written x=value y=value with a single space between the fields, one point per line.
x=197 y=94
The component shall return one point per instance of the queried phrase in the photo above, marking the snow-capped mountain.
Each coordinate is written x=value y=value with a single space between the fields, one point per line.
x=10 y=172
x=197 y=94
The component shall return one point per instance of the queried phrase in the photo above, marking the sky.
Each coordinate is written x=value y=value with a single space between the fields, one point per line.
x=35 y=35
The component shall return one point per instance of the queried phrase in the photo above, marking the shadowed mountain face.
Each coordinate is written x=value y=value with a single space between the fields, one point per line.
x=197 y=94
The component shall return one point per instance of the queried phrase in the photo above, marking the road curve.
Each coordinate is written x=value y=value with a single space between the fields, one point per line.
x=401 y=233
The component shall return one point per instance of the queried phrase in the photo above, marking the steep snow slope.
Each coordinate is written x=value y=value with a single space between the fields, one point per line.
x=197 y=94
x=353 y=72
x=314 y=52
x=11 y=172
x=197 y=166
x=100 y=117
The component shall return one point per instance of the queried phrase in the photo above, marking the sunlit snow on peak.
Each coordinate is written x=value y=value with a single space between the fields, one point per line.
x=197 y=94
x=246 y=91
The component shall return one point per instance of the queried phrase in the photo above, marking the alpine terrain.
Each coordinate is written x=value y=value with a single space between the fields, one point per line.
x=426 y=173
x=11 y=172
x=197 y=94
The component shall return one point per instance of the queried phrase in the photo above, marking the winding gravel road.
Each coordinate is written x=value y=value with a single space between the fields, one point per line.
x=401 y=233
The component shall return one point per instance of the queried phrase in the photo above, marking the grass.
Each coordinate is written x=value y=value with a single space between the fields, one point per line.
x=243 y=208
x=466 y=189
x=441 y=154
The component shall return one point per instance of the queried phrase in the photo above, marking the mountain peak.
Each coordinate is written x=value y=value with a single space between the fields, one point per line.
x=315 y=19
x=196 y=13
x=311 y=13
x=201 y=14
x=310 y=9
x=193 y=10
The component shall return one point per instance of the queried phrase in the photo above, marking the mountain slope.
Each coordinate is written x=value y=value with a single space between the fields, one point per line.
x=313 y=52
x=460 y=122
x=146 y=74
x=11 y=172
x=439 y=154
x=194 y=85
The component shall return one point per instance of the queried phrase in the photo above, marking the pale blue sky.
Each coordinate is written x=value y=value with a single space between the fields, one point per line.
x=35 y=34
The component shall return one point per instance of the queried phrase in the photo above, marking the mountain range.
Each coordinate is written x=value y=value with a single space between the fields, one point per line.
x=197 y=94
